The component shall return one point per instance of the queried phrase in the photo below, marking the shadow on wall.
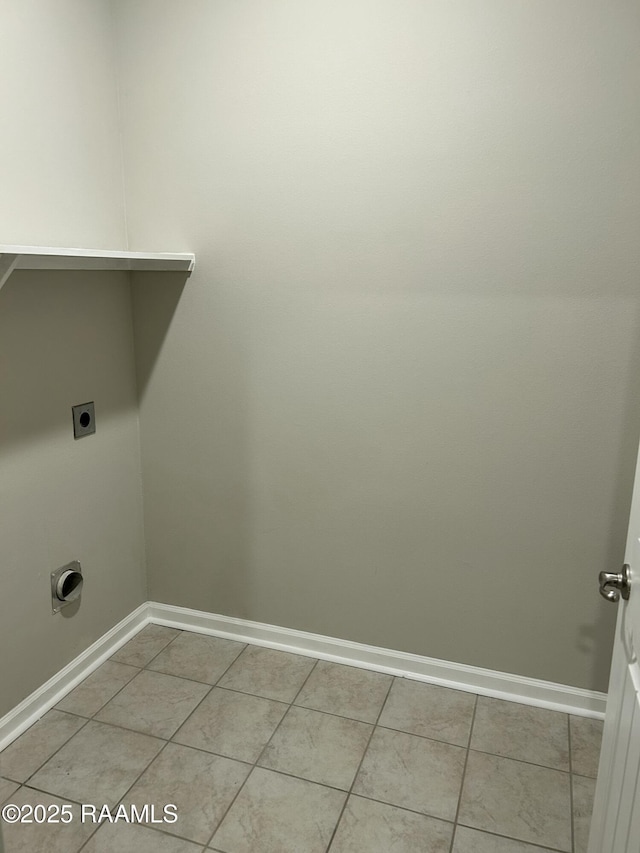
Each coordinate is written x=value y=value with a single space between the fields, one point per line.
x=58 y=331
x=590 y=643
x=230 y=379
x=155 y=298
x=590 y=638
x=204 y=472
x=194 y=437
x=65 y=339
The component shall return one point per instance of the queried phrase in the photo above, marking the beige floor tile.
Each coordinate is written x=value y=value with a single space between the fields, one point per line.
x=319 y=747
x=6 y=789
x=345 y=690
x=583 y=793
x=201 y=785
x=279 y=814
x=269 y=673
x=96 y=690
x=586 y=738
x=29 y=752
x=412 y=772
x=45 y=837
x=472 y=841
x=154 y=703
x=414 y=761
x=522 y=801
x=198 y=657
x=522 y=732
x=98 y=765
x=132 y=838
x=428 y=710
x=233 y=724
x=142 y=648
x=370 y=827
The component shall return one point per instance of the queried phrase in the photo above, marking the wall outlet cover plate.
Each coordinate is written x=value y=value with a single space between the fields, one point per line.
x=84 y=419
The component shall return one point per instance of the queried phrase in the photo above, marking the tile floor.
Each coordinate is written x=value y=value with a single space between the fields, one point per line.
x=268 y=752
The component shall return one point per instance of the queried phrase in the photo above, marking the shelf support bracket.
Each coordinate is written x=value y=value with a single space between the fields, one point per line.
x=7 y=266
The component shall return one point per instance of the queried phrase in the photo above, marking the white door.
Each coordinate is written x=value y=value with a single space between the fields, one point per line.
x=615 y=826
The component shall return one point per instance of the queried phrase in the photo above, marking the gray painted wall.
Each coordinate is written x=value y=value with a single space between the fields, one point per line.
x=397 y=403
x=64 y=339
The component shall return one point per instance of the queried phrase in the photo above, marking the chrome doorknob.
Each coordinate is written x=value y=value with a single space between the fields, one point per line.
x=613 y=585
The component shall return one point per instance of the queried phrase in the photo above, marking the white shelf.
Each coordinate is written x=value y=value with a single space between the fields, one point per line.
x=47 y=258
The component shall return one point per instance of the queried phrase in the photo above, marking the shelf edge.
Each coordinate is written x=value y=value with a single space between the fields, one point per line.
x=45 y=257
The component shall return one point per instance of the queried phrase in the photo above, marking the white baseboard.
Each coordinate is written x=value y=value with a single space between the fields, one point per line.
x=41 y=700
x=486 y=682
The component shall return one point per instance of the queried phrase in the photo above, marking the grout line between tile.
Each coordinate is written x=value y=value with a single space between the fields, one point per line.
x=255 y=763
x=115 y=694
x=347 y=793
x=283 y=773
x=66 y=800
x=186 y=746
x=402 y=808
x=228 y=808
x=89 y=837
x=196 y=680
x=168 y=643
x=254 y=695
x=356 y=719
x=127 y=729
x=49 y=757
x=573 y=836
x=464 y=773
x=291 y=705
x=173 y=835
x=519 y=760
x=370 y=723
x=532 y=844
x=142 y=772
x=167 y=675
x=130 y=788
x=582 y=776
x=144 y=826
x=216 y=754
x=203 y=683
x=208 y=693
x=49 y=794
x=293 y=776
x=161 y=831
x=355 y=775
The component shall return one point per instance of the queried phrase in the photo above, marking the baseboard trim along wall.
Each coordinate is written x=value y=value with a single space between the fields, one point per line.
x=486 y=682
x=41 y=700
